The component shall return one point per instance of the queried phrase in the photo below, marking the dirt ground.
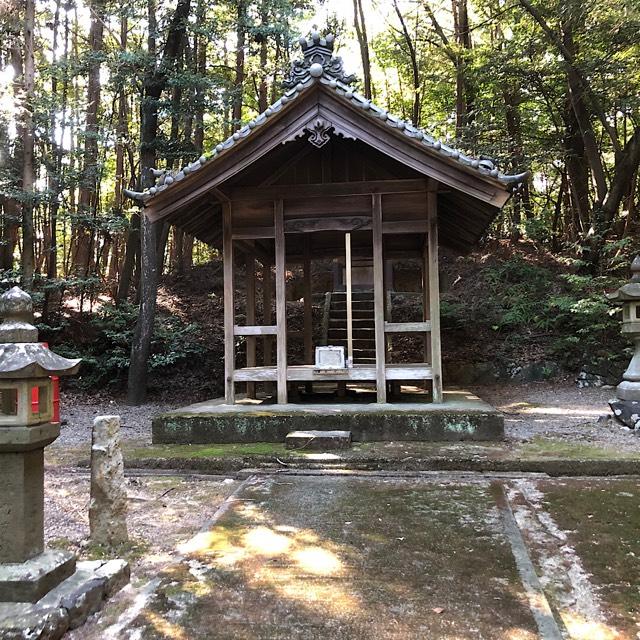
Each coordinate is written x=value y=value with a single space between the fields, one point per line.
x=445 y=556
x=386 y=556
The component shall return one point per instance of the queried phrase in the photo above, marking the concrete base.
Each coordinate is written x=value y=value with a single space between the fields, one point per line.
x=462 y=416
x=65 y=607
x=318 y=440
x=31 y=580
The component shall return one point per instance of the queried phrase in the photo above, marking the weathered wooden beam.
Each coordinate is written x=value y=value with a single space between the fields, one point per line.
x=267 y=314
x=378 y=298
x=281 y=302
x=250 y=275
x=229 y=341
x=327 y=189
x=434 y=295
x=308 y=303
x=347 y=271
x=255 y=330
x=411 y=153
x=407 y=327
x=253 y=233
x=331 y=223
x=302 y=373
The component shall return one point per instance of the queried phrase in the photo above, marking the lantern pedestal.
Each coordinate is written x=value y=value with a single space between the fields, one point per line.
x=42 y=593
x=626 y=405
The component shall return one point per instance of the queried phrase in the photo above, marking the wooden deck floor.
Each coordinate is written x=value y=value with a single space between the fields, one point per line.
x=359 y=372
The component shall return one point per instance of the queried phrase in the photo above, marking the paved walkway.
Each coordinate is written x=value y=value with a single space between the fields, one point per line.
x=373 y=556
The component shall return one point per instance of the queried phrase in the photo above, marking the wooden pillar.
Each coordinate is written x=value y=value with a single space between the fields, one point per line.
x=309 y=356
x=308 y=303
x=426 y=313
x=434 y=292
x=347 y=271
x=281 y=302
x=378 y=297
x=267 y=303
x=229 y=315
x=250 y=274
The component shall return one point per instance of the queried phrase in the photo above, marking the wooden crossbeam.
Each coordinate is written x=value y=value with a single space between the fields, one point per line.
x=407 y=327
x=327 y=190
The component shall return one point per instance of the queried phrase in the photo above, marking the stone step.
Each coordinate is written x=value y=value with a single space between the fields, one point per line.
x=358 y=344
x=358 y=314
x=367 y=333
x=356 y=305
x=318 y=440
x=358 y=323
x=355 y=295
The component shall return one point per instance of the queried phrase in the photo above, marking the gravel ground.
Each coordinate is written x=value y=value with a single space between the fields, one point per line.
x=553 y=410
x=560 y=411
x=77 y=413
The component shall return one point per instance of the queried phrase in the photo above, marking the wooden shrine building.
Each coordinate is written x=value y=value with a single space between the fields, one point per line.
x=325 y=173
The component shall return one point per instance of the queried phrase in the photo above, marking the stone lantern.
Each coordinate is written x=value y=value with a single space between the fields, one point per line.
x=626 y=406
x=41 y=591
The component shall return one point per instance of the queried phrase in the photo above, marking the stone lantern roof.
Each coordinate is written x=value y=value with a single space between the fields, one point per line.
x=631 y=290
x=21 y=355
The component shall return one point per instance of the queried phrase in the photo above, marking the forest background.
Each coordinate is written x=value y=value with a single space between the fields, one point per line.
x=94 y=93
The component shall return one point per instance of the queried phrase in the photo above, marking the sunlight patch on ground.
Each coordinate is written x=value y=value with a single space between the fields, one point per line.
x=518 y=634
x=317 y=561
x=164 y=627
x=581 y=628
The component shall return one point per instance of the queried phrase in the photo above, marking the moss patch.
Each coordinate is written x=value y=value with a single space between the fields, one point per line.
x=541 y=447
x=603 y=520
x=207 y=451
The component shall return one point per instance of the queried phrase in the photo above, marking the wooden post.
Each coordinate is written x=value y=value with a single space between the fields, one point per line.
x=434 y=292
x=347 y=270
x=378 y=297
x=250 y=274
x=267 y=302
x=229 y=315
x=309 y=356
x=281 y=302
x=426 y=313
x=308 y=306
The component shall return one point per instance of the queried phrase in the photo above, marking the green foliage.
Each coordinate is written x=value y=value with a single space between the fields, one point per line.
x=105 y=344
x=528 y=303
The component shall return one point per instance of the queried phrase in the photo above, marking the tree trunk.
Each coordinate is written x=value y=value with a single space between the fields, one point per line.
x=88 y=183
x=415 y=69
x=238 y=89
x=361 y=32
x=28 y=145
x=155 y=82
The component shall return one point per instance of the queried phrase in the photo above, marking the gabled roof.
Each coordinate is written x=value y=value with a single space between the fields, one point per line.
x=320 y=70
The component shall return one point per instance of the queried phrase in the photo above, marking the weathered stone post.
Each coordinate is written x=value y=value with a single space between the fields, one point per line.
x=26 y=410
x=42 y=593
x=626 y=406
x=108 y=507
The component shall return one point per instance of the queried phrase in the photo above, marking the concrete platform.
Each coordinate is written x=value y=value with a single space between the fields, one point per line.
x=462 y=416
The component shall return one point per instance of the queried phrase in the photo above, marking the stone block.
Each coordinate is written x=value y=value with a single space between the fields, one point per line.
x=21 y=506
x=20 y=621
x=108 y=506
x=29 y=581
x=318 y=440
x=65 y=607
x=626 y=412
x=116 y=573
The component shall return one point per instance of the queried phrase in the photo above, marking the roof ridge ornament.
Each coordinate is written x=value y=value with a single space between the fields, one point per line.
x=318 y=60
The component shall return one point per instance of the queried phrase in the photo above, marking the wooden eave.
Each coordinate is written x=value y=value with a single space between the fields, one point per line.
x=175 y=204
